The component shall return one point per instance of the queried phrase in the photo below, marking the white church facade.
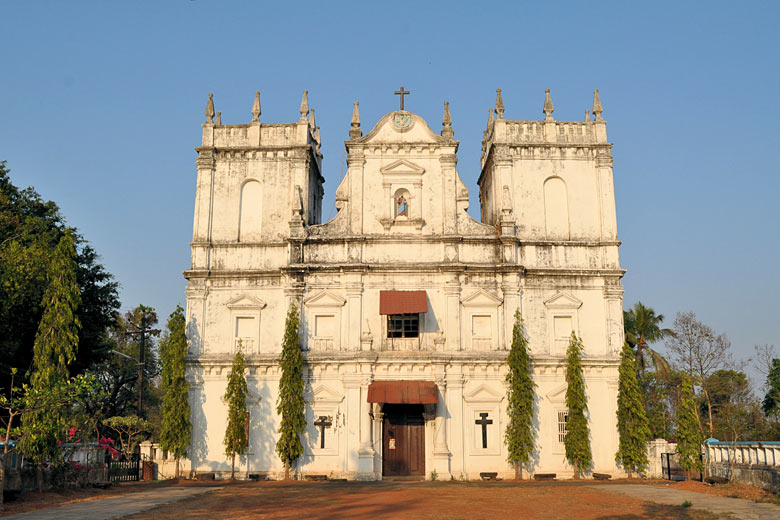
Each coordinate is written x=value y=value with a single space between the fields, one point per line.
x=406 y=302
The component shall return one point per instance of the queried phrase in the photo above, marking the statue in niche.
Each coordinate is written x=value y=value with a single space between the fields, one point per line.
x=401 y=206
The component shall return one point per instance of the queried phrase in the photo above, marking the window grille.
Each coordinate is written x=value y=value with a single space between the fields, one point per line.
x=403 y=325
x=562 y=431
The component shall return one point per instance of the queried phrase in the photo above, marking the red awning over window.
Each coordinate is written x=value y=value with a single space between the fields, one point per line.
x=403 y=302
x=403 y=392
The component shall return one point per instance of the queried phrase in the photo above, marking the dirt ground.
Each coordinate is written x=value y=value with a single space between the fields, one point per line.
x=418 y=500
x=32 y=501
x=731 y=490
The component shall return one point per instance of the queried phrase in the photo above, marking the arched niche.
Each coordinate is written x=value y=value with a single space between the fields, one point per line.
x=402 y=200
x=250 y=212
x=556 y=209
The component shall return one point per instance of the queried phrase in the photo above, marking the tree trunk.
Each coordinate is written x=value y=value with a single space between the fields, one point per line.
x=233 y=468
x=518 y=471
x=628 y=472
x=709 y=409
x=286 y=470
x=39 y=476
x=177 y=468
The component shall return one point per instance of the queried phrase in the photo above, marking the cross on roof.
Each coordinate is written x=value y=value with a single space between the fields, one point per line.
x=484 y=421
x=402 y=93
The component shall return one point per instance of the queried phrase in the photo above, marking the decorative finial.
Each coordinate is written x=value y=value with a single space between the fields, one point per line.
x=256 y=108
x=490 y=119
x=304 y=110
x=210 y=109
x=597 y=109
x=312 y=124
x=219 y=118
x=587 y=116
x=355 y=131
x=317 y=135
x=548 y=106
x=499 y=104
x=446 y=122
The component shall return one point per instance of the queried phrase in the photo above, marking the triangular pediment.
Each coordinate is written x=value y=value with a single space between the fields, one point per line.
x=402 y=166
x=563 y=301
x=245 y=302
x=558 y=394
x=483 y=394
x=324 y=394
x=481 y=298
x=324 y=299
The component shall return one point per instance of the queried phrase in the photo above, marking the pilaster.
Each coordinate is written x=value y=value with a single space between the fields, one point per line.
x=448 y=162
x=452 y=295
x=354 y=290
x=510 y=287
x=441 y=452
x=356 y=166
x=455 y=381
x=366 y=451
x=352 y=384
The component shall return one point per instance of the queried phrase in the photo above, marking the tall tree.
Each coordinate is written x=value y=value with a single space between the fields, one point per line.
x=55 y=347
x=700 y=352
x=235 y=396
x=658 y=400
x=176 y=429
x=117 y=375
x=30 y=230
x=689 y=437
x=520 y=433
x=771 y=402
x=643 y=326
x=577 y=441
x=290 y=405
x=633 y=426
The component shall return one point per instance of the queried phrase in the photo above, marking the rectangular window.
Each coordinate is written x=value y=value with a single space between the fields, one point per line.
x=245 y=327
x=245 y=334
x=403 y=325
x=480 y=327
x=563 y=327
x=324 y=326
x=562 y=418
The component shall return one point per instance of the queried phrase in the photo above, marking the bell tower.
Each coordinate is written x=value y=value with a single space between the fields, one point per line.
x=257 y=183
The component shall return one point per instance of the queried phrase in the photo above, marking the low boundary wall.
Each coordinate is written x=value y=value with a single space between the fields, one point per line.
x=755 y=463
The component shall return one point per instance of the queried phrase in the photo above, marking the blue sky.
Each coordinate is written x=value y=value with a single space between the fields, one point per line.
x=102 y=104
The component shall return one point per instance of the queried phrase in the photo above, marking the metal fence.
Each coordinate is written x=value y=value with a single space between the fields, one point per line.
x=671 y=469
x=125 y=470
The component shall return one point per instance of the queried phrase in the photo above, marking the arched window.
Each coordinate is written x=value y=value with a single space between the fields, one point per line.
x=556 y=209
x=249 y=212
x=401 y=204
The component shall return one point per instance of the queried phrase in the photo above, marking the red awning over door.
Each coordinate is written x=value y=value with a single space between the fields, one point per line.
x=403 y=392
x=403 y=302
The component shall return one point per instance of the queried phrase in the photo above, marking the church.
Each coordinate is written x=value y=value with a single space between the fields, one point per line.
x=406 y=301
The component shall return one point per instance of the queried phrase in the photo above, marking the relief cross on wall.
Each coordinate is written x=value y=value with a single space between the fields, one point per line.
x=322 y=422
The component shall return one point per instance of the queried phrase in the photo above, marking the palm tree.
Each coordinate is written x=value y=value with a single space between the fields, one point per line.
x=643 y=326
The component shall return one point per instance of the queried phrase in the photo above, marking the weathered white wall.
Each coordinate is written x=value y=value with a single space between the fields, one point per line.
x=468 y=269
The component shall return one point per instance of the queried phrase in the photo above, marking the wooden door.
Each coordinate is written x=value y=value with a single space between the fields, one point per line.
x=403 y=441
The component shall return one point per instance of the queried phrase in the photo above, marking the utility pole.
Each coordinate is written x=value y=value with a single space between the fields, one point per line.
x=143 y=330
